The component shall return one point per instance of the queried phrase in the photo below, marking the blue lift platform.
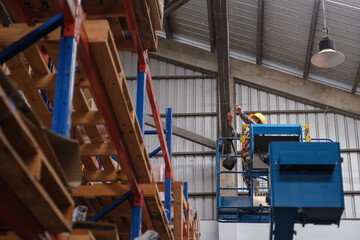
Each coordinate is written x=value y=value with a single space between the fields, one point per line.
x=293 y=179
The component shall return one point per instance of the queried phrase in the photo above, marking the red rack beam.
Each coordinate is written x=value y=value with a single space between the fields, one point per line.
x=144 y=67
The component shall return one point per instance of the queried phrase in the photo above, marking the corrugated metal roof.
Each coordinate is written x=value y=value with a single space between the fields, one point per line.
x=242 y=26
x=191 y=20
x=286 y=31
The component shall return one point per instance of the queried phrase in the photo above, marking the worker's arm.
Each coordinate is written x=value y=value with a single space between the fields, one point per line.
x=246 y=119
x=230 y=117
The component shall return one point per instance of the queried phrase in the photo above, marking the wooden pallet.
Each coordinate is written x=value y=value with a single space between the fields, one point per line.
x=27 y=171
x=32 y=74
x=148 y=13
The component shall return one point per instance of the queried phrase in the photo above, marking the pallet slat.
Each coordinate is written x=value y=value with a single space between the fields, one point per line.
x=30 y=176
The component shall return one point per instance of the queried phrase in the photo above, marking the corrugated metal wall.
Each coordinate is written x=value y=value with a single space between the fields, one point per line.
x=199 y=96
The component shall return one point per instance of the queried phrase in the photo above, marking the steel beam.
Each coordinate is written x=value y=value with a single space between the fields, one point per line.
x=171 y=7
x=64 y=90
x=259 y=31
x=112 y=206
x=140 y=100
x=183 y=133
x=30 y=38
x=211 y=23
x=135 y=222
x=167 y=25
x=175 y=77
x=223 y=58
x=168 y=179
x=356 y=82
x=153 y=153
x=311 y=37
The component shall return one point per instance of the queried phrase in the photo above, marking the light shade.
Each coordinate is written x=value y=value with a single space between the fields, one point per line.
x=327 y=57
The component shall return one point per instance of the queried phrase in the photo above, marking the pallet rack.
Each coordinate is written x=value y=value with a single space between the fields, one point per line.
x=109 y=127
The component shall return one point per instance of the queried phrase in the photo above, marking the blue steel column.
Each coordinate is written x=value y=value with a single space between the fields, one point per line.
x=168 y=179
x=185 y=191
x=140 y=99
x=135 y=221
x=64 y=90
x=136 y=211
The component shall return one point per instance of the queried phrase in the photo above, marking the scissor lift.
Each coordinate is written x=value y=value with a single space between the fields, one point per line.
x=296 y=180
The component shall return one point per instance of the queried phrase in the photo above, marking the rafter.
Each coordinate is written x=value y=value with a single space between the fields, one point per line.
x=171 y=6
x=221 y=18
x=312 y=30
x=167 y=24
x=211 y=23
x=356 y=82
x=259 y=31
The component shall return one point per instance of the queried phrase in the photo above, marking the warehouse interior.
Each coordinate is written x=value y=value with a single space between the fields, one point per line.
x=111 y=111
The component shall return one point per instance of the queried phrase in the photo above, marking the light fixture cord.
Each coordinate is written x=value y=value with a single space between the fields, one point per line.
x=325 y=28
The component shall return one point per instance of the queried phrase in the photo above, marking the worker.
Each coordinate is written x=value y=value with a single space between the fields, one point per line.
x=256 y=118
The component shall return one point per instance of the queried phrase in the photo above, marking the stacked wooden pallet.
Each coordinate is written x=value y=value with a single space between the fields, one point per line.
x=148 y=12
x=26 y=165
x=31 y=73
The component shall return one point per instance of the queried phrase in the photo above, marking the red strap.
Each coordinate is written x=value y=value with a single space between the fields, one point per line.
x=244 y=144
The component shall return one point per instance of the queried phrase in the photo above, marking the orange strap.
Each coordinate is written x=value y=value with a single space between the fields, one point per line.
x=244 y=144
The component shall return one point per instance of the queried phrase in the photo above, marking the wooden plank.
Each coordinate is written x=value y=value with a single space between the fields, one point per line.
x=32 y=194
x=78 y=234
x=156 y=14
x=87 y=118
x=114 y=189
x=98 y=149
x=89 y=163
x=198 y=223
x=121 y=43
x=25 y=83
x=48 y=81
x=188 y=222
x=36 y=60
x=28 y=149
x=93 y=132
x=110 y=68
x=104 y=175
x=149 y=39
x=178 y=210
x=157 y=212
x=107 y=162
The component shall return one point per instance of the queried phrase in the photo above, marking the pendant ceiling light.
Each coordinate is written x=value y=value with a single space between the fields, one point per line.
x=327 y=57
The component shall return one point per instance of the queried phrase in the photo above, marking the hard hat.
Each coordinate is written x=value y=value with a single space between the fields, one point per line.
x=259 y=116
